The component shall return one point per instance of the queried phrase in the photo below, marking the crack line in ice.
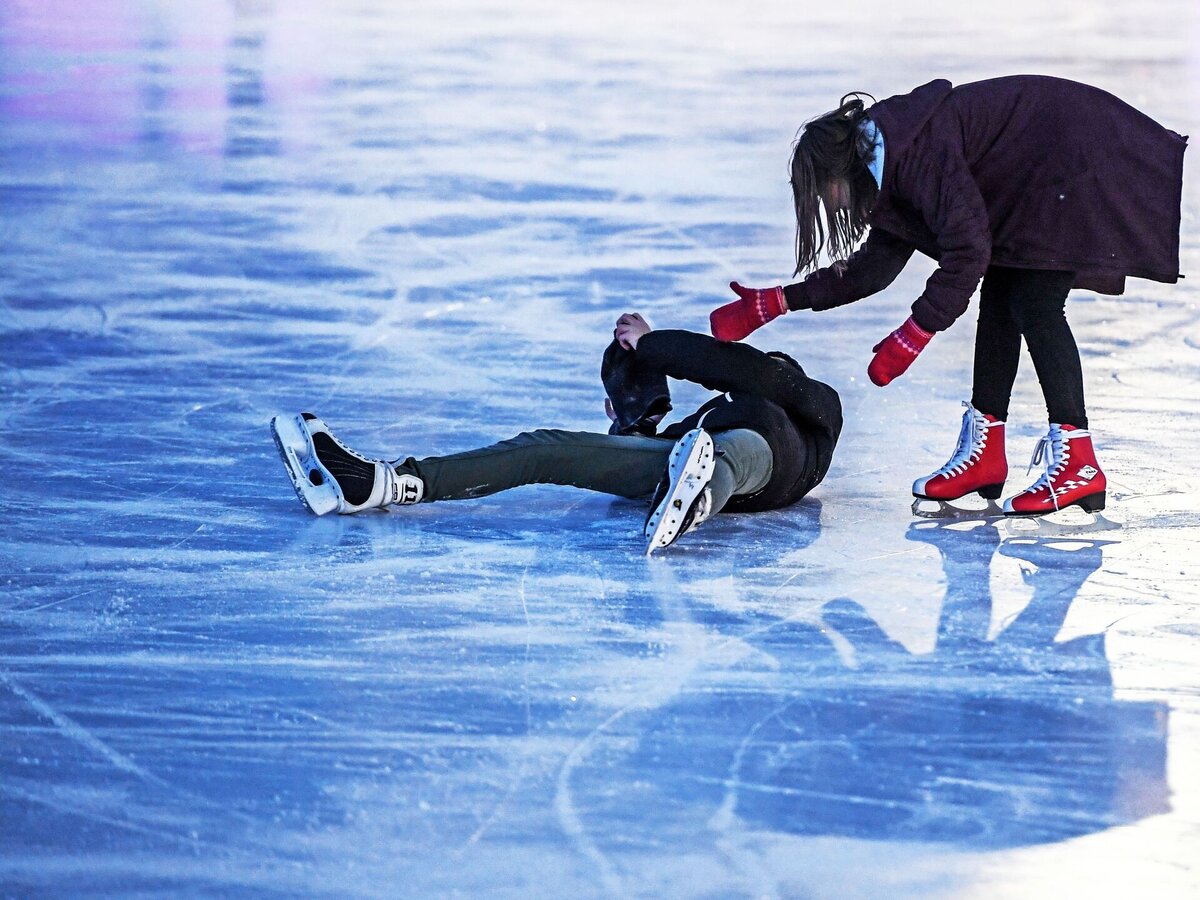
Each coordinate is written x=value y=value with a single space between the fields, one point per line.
x=691 y=653
x=34 y=609
x=183 y=541
x=723 y=820
x=519 y=778
x=787 y=791
x=664 y=225
x=76 y=809
x=76 y=732
x=568 y=817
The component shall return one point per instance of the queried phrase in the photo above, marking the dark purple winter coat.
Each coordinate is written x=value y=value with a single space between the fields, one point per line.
x=1025 y=171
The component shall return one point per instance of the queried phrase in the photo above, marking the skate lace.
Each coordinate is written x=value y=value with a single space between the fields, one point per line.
x=1054 y=451
x=971 y=439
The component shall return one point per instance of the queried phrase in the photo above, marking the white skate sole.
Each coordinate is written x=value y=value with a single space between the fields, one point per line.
x=315 y=487
x=690 y=470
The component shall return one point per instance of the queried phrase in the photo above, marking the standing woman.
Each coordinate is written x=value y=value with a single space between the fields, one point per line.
x=1035 y=185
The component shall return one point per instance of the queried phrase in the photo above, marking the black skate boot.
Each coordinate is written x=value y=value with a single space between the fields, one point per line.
x=330 y=477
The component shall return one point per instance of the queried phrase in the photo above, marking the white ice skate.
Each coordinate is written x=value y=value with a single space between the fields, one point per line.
x=330 y=477
x=683 y=499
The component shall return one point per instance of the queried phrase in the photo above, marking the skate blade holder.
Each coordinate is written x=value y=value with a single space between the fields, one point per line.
x=666 y=522
x=665 y=530
x=312 y=484
x=973 y=507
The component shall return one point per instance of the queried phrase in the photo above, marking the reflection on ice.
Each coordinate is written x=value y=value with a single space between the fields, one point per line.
x=1038 y=749
x=985 y=742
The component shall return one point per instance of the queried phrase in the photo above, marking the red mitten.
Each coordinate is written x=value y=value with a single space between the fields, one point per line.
x=895 y=353
x=753 y=308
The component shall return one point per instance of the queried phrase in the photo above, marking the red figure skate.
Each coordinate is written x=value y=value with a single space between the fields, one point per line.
x=978 y=466
x=1072 y=476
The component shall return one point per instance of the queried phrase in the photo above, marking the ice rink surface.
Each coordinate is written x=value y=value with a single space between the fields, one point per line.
x=420 y=221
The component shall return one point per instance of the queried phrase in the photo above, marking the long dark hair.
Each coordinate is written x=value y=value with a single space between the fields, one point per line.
x=832 y=147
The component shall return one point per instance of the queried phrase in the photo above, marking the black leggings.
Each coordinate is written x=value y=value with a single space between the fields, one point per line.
x=1029 y=303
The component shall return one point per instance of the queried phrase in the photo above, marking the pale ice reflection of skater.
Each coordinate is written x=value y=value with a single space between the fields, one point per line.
x=1005 y=733
x=763 y=443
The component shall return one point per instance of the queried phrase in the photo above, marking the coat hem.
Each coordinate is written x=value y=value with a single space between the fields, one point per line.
x=1084 y=269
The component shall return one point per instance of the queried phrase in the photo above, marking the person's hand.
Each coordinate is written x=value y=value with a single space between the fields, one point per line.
x=629 y=330
x=895 y=353
x=753 y=308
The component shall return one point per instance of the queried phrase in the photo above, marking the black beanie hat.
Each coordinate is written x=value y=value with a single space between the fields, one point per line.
x=636 y=392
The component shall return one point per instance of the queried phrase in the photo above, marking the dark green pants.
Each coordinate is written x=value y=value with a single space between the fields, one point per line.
x=624 y=465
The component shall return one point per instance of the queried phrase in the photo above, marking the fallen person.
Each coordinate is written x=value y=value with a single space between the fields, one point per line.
x=762 y=444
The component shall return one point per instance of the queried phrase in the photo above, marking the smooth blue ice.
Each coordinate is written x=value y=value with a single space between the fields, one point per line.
x=420 y=223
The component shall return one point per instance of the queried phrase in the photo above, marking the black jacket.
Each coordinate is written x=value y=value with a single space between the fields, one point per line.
x=1025 y=171
x=770 y=394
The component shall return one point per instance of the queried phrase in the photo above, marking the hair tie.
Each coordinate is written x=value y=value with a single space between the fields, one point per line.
x=851 y=104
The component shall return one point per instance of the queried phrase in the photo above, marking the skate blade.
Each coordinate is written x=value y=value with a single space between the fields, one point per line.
x=924 y=508
x=1063 y=523
x=313 y=485
x=663 y=526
